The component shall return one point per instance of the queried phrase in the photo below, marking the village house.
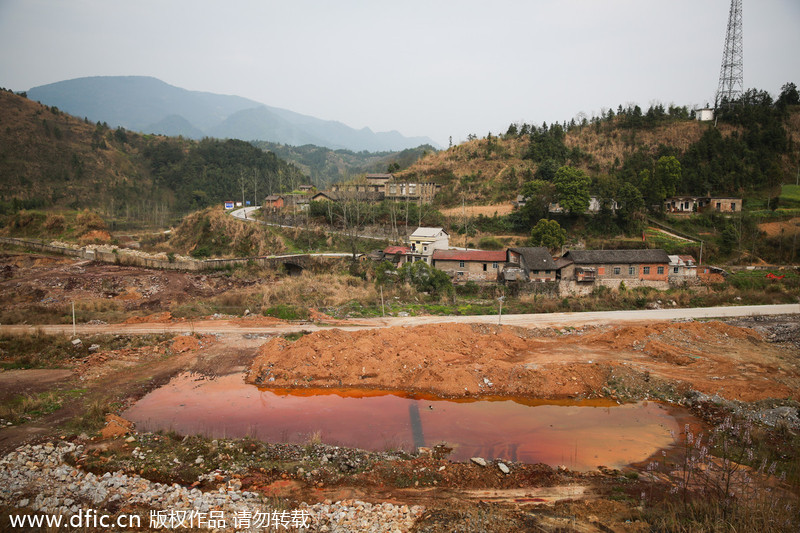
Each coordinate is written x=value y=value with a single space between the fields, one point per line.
x=697 y=204
x=273 y=202
x=470 y=265
x=582 y=270
x=397 y=255
x=424 y=241
x=529 y=264
x=682 y=268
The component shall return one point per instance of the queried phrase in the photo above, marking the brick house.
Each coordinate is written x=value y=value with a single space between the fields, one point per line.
x=470 y=265
x=583 y=270
x=273 y=202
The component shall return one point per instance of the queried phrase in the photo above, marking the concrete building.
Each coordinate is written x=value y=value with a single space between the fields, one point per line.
x=424 y=241
x=682 y=268
x=704 y=115
x=696 y=204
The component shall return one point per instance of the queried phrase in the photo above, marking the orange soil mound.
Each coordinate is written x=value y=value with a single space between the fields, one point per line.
x=454 y=360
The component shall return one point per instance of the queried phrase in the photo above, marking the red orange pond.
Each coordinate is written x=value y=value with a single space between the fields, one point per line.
x=579 y=435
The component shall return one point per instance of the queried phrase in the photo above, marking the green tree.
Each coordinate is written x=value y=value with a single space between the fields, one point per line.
x=788 y=96
x=630 y=205
x=538 y=195
x=425 y=278
x=668 y=174
x=572 y=189
x=548 y=233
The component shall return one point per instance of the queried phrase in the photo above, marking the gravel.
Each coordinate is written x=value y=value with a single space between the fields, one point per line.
x=39 y=478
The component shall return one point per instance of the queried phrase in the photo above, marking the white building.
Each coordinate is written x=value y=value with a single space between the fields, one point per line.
x=425 y=240
x=704 y=115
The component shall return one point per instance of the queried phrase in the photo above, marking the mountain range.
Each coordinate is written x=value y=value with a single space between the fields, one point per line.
x=149 y=105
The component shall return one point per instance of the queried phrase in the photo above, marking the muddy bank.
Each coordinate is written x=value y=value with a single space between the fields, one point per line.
x=461 y=360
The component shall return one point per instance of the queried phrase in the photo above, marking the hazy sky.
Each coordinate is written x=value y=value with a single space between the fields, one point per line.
x=435 y=68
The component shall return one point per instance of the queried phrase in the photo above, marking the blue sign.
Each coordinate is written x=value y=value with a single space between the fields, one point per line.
x=228 y=205
x=248 y=202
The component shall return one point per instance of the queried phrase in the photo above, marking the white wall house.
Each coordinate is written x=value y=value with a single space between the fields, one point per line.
x=425 y=240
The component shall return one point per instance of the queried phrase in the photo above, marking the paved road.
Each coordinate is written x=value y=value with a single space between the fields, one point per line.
x=241 y=327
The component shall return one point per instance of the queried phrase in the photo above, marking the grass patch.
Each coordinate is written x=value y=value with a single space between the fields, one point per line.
x=287 y=312
x=790 y=196
x=35 y=351
x=26 y=407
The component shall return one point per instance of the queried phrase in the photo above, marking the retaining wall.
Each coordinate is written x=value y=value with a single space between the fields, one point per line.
x=124 y=257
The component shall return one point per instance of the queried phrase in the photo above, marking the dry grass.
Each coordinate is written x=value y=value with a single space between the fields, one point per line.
x=475 y=210
x=223 y=235
x=319 y=290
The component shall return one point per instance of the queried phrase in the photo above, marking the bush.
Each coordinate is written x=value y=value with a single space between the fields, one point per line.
x=55 y=223
x=425 y=278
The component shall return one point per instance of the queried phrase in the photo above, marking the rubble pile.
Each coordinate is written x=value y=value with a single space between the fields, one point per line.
x=39 y=478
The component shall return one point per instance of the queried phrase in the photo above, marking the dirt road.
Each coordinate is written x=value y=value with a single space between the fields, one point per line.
x=275 y=327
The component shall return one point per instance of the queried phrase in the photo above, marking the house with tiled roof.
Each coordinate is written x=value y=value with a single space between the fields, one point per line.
x=534 y=263
x=582 y=270
x=470 y=265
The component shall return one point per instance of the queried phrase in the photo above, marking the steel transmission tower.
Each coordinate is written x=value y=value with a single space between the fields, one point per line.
x=731 y=80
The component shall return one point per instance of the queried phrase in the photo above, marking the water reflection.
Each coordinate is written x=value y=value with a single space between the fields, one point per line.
x=579 y=435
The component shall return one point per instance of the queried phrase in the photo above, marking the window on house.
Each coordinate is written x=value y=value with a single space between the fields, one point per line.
x=461 y=264
x=674 y=270
x=646 y=270
x=494 y=265
x=424 y=248
x=660 y=270
x=617 y=270
x=484 y=267
x=547 y=272
x=733 y=206
x=631 y=270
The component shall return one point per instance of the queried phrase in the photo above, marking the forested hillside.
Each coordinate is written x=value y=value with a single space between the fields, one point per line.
x=51 y=159
x=750 y=150
x=326 y=166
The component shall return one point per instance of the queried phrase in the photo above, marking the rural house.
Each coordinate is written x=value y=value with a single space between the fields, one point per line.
x=534 y=264
x=582 y=270
x=470 y=265
x=425 y=240
x=273 y=202
x=397 y=255
x=693 y=204
x=682 y=268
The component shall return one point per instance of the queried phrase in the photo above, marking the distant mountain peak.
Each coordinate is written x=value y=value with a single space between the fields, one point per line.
x=150 y=105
